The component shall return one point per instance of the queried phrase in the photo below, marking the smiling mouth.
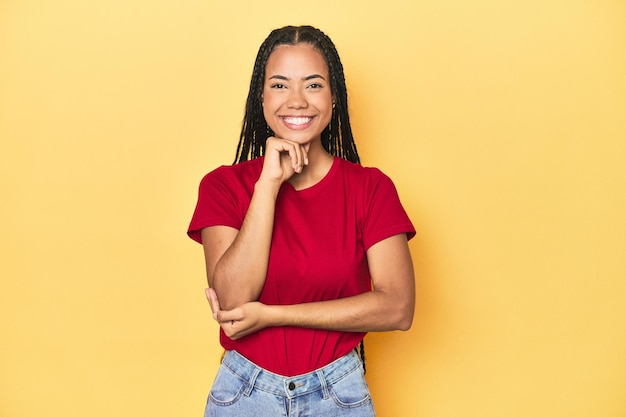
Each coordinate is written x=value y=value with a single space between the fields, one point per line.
x=297 y=121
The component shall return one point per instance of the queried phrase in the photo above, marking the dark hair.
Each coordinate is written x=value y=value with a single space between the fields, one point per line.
x=337 y=138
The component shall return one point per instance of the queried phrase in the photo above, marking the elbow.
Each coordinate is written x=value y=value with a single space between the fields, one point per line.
x=227 y=300
x=229 y=293
x=404 y=317
x=399 y=314
x=405 y=322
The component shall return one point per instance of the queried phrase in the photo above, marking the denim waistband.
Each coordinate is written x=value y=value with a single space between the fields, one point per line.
x=290 y=387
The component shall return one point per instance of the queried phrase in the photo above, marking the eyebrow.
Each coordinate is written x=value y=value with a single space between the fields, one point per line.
x=307 y=78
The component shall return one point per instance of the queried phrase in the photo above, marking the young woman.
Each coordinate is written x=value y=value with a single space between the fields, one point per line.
x=306 y=250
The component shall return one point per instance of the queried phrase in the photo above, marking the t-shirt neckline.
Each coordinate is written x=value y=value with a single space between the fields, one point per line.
x=318 y=185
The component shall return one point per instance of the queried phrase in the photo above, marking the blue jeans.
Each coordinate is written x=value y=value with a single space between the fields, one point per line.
x=242 y=389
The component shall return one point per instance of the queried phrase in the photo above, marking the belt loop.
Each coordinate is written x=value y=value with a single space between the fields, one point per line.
x=322 y=379
x=251 y=381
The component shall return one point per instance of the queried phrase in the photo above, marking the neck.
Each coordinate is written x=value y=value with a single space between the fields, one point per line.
x=320 y=162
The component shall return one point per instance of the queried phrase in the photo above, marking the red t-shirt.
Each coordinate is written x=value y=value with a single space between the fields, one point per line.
x=318 y=252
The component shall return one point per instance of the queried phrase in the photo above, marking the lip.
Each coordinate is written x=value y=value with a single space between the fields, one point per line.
x=297 y=122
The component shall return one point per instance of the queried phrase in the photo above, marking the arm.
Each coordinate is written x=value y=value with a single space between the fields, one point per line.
x=236 y=260
x=389 y=306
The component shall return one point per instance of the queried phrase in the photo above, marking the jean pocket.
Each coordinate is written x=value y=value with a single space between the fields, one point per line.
x=351 y=390
x=227 y=387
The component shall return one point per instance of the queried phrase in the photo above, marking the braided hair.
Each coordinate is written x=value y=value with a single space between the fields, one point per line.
x=337 y=137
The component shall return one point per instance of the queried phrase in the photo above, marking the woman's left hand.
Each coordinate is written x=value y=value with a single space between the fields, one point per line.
x=241 y=321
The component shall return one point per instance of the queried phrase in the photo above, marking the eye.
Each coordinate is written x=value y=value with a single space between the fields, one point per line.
x=278 y=86
x=315 y=86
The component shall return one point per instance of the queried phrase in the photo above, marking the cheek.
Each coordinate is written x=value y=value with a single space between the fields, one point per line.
x=266 y=105
x=329 y=110
x=270 y=102
x=268 y=115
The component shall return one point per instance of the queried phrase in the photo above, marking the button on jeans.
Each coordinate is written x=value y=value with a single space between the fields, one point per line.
x=242 y=389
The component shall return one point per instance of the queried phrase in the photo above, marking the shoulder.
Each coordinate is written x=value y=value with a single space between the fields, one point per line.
x=229 y=175
x=363 y=174
x=369 y=185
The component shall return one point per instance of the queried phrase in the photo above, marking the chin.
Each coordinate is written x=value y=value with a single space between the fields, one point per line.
x=301 y=138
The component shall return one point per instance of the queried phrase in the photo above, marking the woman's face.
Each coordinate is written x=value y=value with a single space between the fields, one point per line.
x=297 y=101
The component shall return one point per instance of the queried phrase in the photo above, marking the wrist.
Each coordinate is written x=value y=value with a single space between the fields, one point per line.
x=275 y=316
x=269 y=186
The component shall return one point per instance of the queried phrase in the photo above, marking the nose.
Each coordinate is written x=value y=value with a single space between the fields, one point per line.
x=296 y=99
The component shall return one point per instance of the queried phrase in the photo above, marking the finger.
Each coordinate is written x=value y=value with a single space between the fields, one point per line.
x=211 y=295
x=227 y=320
x=225 y=316
x=295 y=153
x=305 y=153
x=279 y=154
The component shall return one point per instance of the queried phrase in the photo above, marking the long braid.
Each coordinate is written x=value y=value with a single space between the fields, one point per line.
x=360 y=350
x=363 y=356
x=337 y=138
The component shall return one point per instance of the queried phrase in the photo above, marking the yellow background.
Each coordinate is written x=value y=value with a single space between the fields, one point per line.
x=503 y=124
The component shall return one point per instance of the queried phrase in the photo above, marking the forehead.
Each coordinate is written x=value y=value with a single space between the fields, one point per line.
x=301 y=58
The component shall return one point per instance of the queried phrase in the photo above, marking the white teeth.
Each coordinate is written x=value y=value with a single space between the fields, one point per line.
x=297 y=120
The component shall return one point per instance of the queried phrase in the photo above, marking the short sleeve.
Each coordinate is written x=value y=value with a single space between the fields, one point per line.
x=384 y=214
x=218 y=203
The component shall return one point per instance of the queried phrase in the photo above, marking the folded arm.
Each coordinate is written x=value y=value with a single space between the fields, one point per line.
x=389 y=306
x=236 y=260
